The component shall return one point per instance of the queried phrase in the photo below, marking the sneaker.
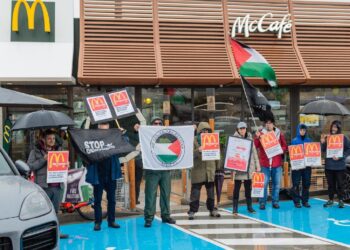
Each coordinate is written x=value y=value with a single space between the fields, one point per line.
x=297 y=205
x=64 y=236
x=148 y=223
x=329 y=203
x=169 y=220
x=306 y=204
x=251 y=210
x=214 y=213
x=113 y=225
x=262 y=207
x=190 y=215
x=341 y=204
x=97 y=227
x=276 y=206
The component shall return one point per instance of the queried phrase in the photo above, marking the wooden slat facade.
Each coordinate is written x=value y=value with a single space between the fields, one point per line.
x=186 y=42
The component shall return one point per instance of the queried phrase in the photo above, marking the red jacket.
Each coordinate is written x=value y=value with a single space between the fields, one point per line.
x=277 y=160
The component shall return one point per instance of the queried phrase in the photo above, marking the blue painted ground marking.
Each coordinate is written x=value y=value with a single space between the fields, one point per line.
x=330 y=223
x=131 y=235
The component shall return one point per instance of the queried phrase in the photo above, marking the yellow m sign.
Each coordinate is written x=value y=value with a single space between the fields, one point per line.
x=30 y=15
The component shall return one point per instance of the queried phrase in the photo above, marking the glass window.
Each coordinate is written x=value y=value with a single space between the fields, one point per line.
x=5 y=169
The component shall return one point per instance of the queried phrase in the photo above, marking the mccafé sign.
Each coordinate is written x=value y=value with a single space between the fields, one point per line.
x=246 y=25
x=33 y=21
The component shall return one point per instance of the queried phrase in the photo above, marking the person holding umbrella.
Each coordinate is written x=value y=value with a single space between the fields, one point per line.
x=245 y=177
x=37 y=161
x=203 y=173
x=335 y=167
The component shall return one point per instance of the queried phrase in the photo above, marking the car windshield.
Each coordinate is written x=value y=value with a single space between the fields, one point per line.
x=5 y=169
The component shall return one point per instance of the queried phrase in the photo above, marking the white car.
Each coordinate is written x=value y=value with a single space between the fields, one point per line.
x=27 y=217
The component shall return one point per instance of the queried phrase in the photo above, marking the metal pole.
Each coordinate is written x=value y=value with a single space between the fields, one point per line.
x=250 y=109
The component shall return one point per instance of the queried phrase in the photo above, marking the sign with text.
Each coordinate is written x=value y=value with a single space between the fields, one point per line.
x=57 y=166
x=122 y=104
x=238 y=151
x=312 y=153
x=98 y=109
x=258 y=180
x=246 y=25
x=271 y=144
x=296 y=155
x=335 y=145
x=210 y=146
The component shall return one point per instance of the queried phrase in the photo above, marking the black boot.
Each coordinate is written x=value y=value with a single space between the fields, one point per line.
x=249 y=206
x=235 y=207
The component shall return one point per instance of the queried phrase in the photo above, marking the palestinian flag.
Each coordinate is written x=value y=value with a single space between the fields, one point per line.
x=167 y=148
x=251 y=63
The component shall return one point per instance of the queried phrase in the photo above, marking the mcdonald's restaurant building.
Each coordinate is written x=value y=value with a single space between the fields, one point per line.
x=180 y=51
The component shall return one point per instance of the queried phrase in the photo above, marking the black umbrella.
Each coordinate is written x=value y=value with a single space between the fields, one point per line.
x=324 y=107
x=43 y=119
x=11 y=98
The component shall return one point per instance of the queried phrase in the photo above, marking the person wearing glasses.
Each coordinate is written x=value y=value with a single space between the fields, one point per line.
x=153 y=179
x=203 y=173
x=271 y=167
x=245 y=177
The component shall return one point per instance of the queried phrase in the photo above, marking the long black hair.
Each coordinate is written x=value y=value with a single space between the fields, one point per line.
x=336 y=123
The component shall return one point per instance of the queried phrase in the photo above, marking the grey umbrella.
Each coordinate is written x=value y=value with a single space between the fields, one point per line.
x=11 y=98
x=43 y=119
x=325 y=107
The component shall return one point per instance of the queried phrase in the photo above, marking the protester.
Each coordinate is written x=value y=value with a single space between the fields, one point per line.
x=271 y=167
x=102 y=175
x=138 y=165
x=303 y=175
x=245 y=177
x=203 y=173
x=335 y=167
x=37 y=161
x=153 y=179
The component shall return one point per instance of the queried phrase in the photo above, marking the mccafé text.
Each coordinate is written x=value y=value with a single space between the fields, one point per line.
x=245 y=25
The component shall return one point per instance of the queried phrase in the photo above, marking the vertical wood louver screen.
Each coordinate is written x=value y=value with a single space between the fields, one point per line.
x=117 y=42
x=192 y=42
x=323 y=33
x=280 y=53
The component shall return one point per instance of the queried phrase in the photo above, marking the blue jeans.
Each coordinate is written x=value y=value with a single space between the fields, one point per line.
x=275 y=174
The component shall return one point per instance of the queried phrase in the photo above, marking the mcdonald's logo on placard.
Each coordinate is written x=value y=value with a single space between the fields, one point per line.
x=119 y=98
x=258 y=180
x=34 y=22
x=210 y=141
x=97 y=103
x=269 y=139
x=58 y=161
x=335 y=140
x=296 y=152
x=312 y=149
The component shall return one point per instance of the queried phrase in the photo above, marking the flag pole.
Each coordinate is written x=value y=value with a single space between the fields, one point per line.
x=246 y=97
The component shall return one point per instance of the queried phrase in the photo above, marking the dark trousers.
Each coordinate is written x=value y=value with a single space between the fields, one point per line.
x=335 y=180
x=195 y=196
x=247 y=189
x=54 y=194
x=303 y=175
x=138 y=177
x=110 y=188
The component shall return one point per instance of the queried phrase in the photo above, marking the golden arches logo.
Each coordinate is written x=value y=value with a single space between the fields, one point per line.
x=268 y=138
x=119 y=97
x=97 y=103
x=258 y=177
x=311 y=148
x=30 y=15
x=210 y=141
x=58 y=159
x=335 y=139
x=296 y=150
x=7 y=133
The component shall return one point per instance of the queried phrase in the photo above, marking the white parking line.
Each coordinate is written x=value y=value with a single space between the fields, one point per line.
x=240 y=231
x=272 y=242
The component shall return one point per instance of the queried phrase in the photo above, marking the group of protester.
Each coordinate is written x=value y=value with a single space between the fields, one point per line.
x=103 y=175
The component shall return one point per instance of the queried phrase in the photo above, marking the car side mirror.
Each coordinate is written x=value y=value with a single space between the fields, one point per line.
x=23 y=168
